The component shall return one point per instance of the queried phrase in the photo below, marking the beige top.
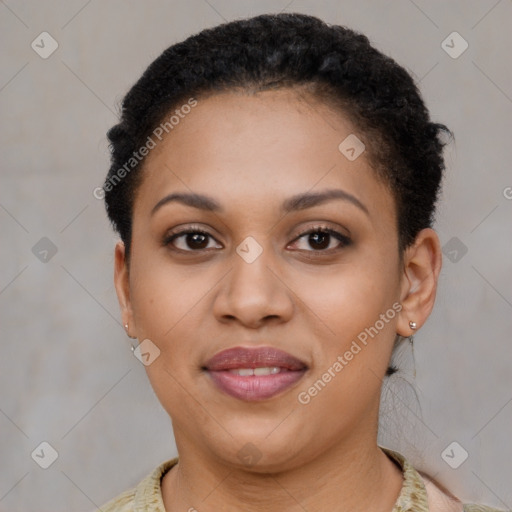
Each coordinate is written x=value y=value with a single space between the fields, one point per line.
x=418 y=494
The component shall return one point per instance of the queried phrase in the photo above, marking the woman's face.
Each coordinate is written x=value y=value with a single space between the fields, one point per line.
x=271 y=168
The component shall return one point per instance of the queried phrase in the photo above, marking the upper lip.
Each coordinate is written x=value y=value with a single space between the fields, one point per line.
x=242 y=357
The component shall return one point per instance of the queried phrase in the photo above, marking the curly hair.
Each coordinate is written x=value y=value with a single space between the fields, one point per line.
x=332 y=63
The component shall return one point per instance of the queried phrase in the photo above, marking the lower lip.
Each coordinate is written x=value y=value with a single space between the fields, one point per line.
x=254 y=387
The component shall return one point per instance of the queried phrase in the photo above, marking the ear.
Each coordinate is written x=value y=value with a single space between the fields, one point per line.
x=421 y=267
x=122 y=284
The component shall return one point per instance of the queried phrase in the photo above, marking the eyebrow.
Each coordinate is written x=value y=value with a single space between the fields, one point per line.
x=310 y=199
x=297 y=202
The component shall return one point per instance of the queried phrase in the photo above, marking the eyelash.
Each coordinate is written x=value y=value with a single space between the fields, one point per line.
x=344 y=240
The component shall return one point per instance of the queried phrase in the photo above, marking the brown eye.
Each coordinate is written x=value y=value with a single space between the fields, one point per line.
x=190 y=241
x=196 y=240
x=319 y=240
x=322 y=240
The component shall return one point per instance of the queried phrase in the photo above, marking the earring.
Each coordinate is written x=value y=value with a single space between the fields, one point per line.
x=127 y=334
x=413 y=326
x=132 y=337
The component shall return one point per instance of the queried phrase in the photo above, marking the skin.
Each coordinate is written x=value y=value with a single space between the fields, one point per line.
x=250 y=153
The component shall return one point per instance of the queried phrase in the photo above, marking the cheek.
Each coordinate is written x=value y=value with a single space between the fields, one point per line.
x=163 y=295
x=353 y=297
x=170 y=304
x=357 y=306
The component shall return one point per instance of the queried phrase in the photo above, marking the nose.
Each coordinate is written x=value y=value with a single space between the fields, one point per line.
x=253 y=293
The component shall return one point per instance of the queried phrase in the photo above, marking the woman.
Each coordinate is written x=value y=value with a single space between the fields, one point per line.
x=273 y=183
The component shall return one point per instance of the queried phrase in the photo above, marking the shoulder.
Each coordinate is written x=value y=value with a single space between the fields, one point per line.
x=420 y=492
x=481 y=508
x=441 y=499
x=146 y=496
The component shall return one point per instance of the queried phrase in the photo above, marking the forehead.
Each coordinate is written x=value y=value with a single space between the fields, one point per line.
x=244 y=148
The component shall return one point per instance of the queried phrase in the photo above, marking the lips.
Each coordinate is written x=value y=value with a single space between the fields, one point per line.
x=240 y=357
x=254 y=373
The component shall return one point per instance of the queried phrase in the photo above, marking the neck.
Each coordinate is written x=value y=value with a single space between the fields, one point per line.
x=354 y=475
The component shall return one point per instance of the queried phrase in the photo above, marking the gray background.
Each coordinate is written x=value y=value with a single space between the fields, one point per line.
x=67 y=375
